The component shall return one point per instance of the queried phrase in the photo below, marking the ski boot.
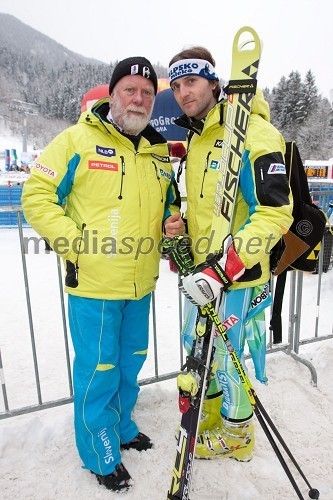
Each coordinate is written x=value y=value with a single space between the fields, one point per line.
x=230 y=439
x=210 y=414
x=211 y=408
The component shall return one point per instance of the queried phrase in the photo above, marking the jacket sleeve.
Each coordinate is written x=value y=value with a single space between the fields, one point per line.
x=173 y=201
x=44 y=194
x=265 y=188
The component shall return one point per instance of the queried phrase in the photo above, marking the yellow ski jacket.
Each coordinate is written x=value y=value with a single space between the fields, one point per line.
x=101 y=203
x=264 y=202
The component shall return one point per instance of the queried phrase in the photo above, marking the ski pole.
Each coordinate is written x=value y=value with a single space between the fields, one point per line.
x=278 y=452
x=313 y=492
x=257 y=405
x=178 y=249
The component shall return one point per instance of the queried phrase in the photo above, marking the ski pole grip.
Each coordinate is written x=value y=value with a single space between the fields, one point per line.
x=178 y=250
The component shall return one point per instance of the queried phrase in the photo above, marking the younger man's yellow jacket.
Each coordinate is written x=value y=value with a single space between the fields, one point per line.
x=263 y=210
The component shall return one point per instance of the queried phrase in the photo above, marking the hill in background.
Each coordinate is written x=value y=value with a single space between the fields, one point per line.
x=36 y=69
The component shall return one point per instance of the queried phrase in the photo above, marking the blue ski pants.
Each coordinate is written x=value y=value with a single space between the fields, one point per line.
x=110 y=339
x=242 y=313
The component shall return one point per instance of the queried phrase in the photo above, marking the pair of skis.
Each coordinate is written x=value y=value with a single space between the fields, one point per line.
x=241 y=90
x=182 y=471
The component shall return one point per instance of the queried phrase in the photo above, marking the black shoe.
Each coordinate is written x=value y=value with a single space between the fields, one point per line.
x=141 y=442
x=118 y=480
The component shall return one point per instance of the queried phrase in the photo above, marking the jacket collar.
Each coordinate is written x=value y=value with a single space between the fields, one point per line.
x=197 y=126
x=97 y=116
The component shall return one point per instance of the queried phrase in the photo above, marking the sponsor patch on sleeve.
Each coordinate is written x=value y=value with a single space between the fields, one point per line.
x=276 y=168
x=46 y=170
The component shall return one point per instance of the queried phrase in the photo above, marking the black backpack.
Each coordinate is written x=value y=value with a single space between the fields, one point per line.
x=302 y=240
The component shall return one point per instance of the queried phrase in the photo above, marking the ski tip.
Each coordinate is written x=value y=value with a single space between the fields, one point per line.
x=247 y=39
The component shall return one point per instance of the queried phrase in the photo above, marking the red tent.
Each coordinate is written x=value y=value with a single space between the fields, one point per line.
x=93 y=95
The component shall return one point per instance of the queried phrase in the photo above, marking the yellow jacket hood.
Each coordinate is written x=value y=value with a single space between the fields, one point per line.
x=260 y=106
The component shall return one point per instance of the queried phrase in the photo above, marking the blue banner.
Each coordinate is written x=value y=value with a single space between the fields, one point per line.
x=165 y=111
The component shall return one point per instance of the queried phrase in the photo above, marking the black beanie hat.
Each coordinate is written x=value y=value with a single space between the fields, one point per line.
x=133 y=66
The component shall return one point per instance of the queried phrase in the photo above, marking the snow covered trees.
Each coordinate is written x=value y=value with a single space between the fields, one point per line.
x=302 y=115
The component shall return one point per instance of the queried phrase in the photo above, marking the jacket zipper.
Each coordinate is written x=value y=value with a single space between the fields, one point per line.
x=159 y=180
x=262 y=182
x=120 y=197
x=181 y=167
x=77 y=259
x=204 y=174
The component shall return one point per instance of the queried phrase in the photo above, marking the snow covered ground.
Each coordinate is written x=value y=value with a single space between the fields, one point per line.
x=37 y=451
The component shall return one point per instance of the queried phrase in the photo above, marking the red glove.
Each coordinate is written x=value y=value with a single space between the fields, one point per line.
x=216 y=274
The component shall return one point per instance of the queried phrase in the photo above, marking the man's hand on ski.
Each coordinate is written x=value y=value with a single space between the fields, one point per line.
x=215 y=275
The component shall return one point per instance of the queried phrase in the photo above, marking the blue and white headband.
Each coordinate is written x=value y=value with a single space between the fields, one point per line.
x=186 y=67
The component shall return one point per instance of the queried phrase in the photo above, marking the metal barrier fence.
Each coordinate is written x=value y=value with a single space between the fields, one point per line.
x=291 y=344
x=321 y=192
x=10 y=196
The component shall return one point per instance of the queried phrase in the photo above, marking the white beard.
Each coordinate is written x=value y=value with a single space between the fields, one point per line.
x=130 y=124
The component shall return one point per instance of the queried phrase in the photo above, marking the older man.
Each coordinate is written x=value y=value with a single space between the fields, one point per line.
x=100 y=194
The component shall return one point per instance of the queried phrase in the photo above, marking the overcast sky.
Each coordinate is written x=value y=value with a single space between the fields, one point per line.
x=297 y=34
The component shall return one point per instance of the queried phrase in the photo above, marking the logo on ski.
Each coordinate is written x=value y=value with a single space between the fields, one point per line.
x=237 y=119
x=177 y=470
